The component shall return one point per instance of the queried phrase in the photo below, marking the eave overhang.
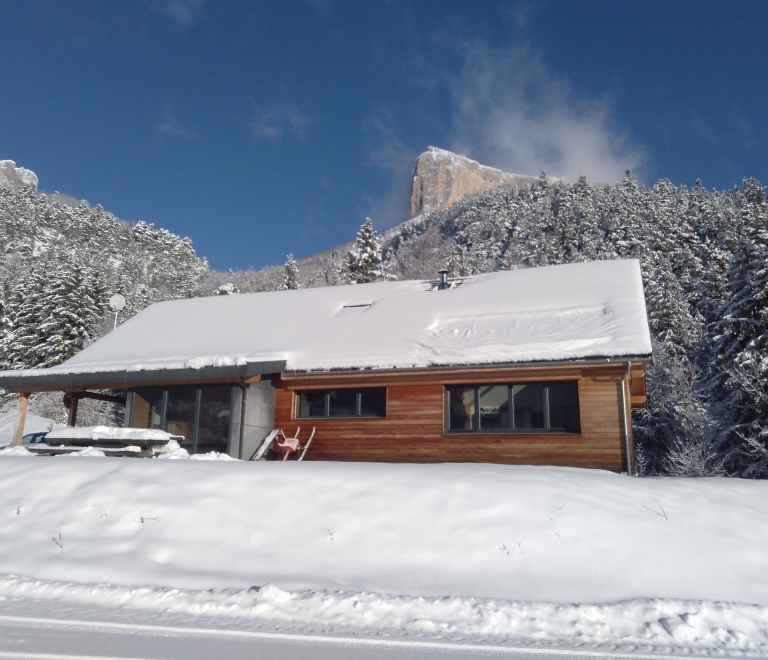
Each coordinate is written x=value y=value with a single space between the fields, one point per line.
x=125 y=379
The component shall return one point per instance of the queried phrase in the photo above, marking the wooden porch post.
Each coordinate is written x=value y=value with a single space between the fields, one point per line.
x=72 y=419
x=21 y=416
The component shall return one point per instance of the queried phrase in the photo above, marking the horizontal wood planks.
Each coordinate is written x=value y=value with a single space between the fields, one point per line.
x=414 y=428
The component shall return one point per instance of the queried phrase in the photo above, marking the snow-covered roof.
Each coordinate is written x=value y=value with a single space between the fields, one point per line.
x=551 y=313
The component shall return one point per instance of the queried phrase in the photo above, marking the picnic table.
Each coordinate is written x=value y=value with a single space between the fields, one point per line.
x=113 y=441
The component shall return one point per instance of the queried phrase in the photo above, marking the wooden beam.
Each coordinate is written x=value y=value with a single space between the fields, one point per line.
x=100 y=397
x=21 y=416
x=253 y=379
x=442 y=377
x=72 y=418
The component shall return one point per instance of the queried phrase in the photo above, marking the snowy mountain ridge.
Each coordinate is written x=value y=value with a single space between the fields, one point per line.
x=16 y=176
x=442 y=177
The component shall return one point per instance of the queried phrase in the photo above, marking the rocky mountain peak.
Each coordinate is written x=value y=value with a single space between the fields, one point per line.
x=441 y=177
x=16 y=176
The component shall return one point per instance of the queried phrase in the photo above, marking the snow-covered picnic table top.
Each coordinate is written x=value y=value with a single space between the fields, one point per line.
x=87 y=434
x=571 y=311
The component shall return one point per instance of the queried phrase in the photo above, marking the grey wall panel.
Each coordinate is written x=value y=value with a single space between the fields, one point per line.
x=235 y=416
x=259 y=418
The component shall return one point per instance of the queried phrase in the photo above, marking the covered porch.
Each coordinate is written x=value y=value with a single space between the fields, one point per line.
x=224 y=409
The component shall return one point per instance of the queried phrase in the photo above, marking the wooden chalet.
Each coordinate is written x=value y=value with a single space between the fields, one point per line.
x=532 y=366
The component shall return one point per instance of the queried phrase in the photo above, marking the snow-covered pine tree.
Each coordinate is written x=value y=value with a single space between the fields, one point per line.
x=27 y=312
x=75 y=300
x=291 y=278
x=5 y=324
x=227 y=289
x=740 y=356
x=364 y=263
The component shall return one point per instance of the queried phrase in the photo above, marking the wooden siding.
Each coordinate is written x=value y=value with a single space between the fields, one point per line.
x=414 y=428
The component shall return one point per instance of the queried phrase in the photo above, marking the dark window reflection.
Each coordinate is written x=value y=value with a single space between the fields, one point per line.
x=362 y=402
x=564 y=407
x=529 y=406
x=373 y=402
x=312 y=404
x=213 y=428
x=342 y=403
x=523 y=407
x=462 y=408
x=180 y=413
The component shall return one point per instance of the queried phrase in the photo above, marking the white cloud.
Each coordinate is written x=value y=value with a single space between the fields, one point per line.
x=185 y=13
x=279 y=120
x=510 y=112
x=170 y=128
x=390 y=153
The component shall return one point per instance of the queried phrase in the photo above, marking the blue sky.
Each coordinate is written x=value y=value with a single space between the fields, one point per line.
x=262 y=128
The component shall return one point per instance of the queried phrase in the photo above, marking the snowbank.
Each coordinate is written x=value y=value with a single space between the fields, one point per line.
x=32 y=424
x=515 y=533
x=560 y=312
x=646 y=625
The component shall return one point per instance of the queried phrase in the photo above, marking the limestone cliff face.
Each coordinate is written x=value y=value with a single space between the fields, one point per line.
x=441 y=177
x=16 y=176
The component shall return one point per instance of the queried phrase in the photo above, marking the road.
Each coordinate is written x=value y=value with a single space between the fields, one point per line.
x=37 y=638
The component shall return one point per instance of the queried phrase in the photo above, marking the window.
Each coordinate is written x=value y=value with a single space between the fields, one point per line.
x=516 y=408
x=213 y=424
x=365 y=402
x=200 y=414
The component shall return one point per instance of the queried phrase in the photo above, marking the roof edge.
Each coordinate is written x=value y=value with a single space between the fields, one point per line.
x=127 y=377
x=640 y=359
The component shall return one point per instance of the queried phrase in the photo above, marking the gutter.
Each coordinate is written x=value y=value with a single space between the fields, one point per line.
x=640 y=359
x=625 y=417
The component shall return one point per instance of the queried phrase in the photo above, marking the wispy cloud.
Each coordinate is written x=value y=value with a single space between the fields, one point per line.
x=275 y=122
x=389 y=152
x=185 y=13
x=511 y=112
x=170 y=128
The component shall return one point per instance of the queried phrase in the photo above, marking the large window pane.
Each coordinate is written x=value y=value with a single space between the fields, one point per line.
x=147 y=409
x=529 y=406
x=312 y=404
x=213 y=428
x=342 y=403
x=494 y=407
x=180 y=413
x=564 y=407
x=461 y=403
x=373 y=402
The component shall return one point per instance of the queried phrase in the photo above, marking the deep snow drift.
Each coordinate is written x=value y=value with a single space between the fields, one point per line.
x=366 y=547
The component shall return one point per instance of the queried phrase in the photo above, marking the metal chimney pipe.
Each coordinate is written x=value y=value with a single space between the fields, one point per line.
x=443 y=280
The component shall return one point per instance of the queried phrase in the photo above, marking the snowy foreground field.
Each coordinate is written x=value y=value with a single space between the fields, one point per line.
x=473 y=554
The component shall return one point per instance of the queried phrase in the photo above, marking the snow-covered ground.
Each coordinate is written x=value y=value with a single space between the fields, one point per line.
x=32 y=424
x=504 y=555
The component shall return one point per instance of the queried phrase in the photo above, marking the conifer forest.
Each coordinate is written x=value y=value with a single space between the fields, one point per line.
x=704 y=255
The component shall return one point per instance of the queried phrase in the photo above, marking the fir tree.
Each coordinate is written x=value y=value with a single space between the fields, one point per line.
x=74 y=300
x=364 y=263
x=291 y=278
x=741 y=348
x=227 y=289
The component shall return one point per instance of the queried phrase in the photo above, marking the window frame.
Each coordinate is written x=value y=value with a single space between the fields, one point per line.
x=327 y=391
x=510 y=431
